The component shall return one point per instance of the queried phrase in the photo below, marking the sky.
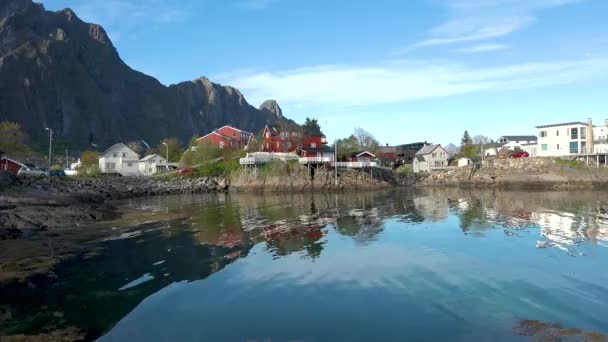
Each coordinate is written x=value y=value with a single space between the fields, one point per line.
x=406 y=71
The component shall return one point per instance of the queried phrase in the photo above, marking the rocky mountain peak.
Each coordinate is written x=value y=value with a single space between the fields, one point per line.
x=273 y=107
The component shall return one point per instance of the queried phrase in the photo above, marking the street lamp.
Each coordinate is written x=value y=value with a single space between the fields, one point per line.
x=50 y=144
x=167 y=145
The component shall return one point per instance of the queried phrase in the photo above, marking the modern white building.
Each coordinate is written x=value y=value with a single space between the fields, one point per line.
x=119 y=159
x=430 y=157
x=152 y=164
x=572 y=138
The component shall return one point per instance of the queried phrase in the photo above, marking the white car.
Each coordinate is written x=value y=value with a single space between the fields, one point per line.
x=29 y=171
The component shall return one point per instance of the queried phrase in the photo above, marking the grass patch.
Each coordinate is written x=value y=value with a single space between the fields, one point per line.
x=575 y=164
x=405 y=169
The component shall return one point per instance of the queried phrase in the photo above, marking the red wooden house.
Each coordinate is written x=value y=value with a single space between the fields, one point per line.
x=275 y=140
x=361 y=156
x=315 y=146
x=227 y=136
x=10 y=165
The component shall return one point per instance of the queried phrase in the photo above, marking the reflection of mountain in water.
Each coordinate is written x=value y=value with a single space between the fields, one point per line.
x=206 y=234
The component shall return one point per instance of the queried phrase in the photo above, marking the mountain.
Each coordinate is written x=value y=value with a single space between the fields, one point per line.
x=57 y=71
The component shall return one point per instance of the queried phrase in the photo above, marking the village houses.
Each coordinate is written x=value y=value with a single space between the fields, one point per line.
x=430 y=157
x=120 y=159
x=229 y=137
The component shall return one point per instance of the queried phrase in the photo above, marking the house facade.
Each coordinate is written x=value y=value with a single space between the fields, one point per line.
x=152 y=164
x=10 y=165
x=405 y=154
x=361 y=157
x=119 y=159
x=430 y=157
x=314 y=149
x=277 y=140
x=227 y=137
x=572 y=138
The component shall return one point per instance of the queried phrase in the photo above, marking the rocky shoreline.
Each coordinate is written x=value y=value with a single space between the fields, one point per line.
x=29 y=205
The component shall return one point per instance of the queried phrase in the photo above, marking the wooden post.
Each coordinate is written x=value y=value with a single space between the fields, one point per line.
x=598 y=160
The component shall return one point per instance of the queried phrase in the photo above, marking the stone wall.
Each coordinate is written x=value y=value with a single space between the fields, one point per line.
x=531 y=165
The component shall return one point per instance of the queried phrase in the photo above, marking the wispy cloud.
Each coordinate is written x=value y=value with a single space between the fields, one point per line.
x=400 y=81
x=109 y=12
x=477 y=20
x=484 y=48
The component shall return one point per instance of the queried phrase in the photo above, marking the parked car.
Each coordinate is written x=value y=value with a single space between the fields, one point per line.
x=31 y=171
x=57 y=173
x=184 y=171
x=520 y=154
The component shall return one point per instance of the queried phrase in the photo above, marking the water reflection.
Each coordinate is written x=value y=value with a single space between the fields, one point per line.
x=429 y=247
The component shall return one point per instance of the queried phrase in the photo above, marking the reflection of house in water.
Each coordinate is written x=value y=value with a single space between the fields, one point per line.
x=560 y=229
x=432 y=208
x=362 y=225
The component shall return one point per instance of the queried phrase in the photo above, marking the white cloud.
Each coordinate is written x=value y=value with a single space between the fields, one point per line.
x=484 y=48
x=477 y=20
x=400 y=81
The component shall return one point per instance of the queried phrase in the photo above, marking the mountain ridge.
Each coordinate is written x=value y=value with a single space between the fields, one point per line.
x=60 y=72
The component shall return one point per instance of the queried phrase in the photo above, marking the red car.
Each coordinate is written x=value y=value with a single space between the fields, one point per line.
x=183 y=171
x=521 y=154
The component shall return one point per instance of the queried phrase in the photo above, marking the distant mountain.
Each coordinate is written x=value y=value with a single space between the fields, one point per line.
x=60 y=72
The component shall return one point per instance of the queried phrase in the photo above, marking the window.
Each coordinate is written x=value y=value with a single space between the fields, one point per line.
x=278 y=144
x=584 y=133
x=234 y=134
x=434 y=155
x=267 y=134
x=222 y=144
x=558 y=134
x=543 y=134
x=544 y=147
x=558 y=147
x=289 y=144
x=574 y=147
x=124 y=154
x=313 y=145
x=115 y=155
x=129 y=164
x=574 y=133
x=583 y=147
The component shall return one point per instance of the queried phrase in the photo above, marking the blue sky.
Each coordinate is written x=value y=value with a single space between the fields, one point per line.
x=406 y=71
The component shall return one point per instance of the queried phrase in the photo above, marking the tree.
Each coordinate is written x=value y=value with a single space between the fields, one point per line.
x=175 y=149
x=365 y=140
x=88 y=159
x=481 y=139
x=11 y=138
x=467 y=149
x=312 y=127
x=193 y=141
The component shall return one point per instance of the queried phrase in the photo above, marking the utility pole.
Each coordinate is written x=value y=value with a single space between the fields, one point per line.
x=336 y=161
x=67 y=161
x=167 y=145
x=50 y=144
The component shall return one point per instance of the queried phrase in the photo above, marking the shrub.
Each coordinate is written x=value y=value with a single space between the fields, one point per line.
x=575 y=164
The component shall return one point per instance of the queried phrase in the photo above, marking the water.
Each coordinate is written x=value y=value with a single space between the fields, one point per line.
x=383 y=266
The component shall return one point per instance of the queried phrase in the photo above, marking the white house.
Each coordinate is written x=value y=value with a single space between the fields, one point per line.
x=572 y=138
x=152 y=164
x=513 y=142
x=430 y=157
x=462 y=162
x=119 y=159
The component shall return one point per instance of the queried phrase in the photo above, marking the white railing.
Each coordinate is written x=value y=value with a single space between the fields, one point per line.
x=354 y=165
x=315 y=160
x=255 y=160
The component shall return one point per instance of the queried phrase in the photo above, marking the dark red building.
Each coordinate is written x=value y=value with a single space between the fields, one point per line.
x=7 y=164
x=227 y=136
x=276 y=140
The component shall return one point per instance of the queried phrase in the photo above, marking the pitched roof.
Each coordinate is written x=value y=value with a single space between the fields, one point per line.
x=359 y=153
x=519 y=137
x=146 y=158
x=234 y=128
x=117 y=146
x=12 y=161
x=428 y=149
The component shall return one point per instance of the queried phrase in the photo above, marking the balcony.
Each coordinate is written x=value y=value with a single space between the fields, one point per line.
x=355 y=165
x=315 y=160
x=323 y=140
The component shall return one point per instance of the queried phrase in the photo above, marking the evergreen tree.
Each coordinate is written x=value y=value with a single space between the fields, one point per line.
x=467 y=149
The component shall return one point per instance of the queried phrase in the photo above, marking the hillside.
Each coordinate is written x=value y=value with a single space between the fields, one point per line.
x=58 y=71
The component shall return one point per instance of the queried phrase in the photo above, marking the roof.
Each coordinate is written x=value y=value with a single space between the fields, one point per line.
x=234 y=128
x=13 y=161
x=428 y=149
x=116 y=146
x=563 y=124
x=273 y=130
x=216 y=133
x=387 y=149
x=359 y=153
x=519 y=137
x=146 y=158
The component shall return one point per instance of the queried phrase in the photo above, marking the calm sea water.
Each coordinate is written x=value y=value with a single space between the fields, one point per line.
x=384 y=266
